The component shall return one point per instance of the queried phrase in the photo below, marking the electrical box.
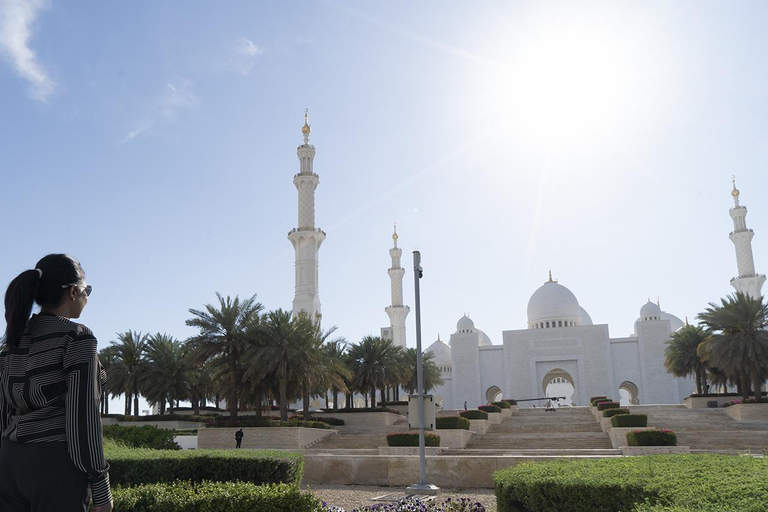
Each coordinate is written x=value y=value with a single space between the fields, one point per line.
x=429 y=412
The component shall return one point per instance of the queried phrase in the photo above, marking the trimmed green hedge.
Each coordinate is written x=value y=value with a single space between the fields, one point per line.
x=593 y=398
x=630 y=420
x=655 y=437
x=455 y=422
x=599 y=400
x=214 y=497
x=659 y=483
x=489 y=408
x=362 y=409
x=502 y=405
x=412 y=439
x=474 y=414
x=163 y=417
x=608 y=413
x=145 y=436
x=510 y=401
x=136 y=466
x=246 y=422
x=601 y=406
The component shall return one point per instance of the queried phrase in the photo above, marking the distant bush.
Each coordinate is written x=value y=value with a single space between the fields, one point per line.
x=214 y=497
x=363 y=409
x=629 y=420
x=747 y=401
x=489 y=408
x=474 y=414
x=502 y=405
x=593 y=398
x=137 y=466
x=145 y=436
x=330 y=421
x=597 y=401
x=510 y=401
x=252 y=422
x=455 y=422
x=652 y=438
x=601 y=406
x=412 y=439
x=608 y=413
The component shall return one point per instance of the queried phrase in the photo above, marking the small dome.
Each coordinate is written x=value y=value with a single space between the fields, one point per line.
x=442 y=353
x=553 y=302
x=674 y=322
x=485 y=340
x=650 y=311
x=465 y=324
x=585 y=318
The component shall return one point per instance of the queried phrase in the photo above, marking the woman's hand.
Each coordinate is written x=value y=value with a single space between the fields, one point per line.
x=107 y=507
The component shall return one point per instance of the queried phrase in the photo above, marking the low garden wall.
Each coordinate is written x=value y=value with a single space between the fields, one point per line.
x=479 y=427
x=290 y=438
x=746 y=412
x=653 y=450
x=494 y=417
x=408 y=450
x=186 y=442
x=363 y=418
x=618 y=435
x=167 y=425
x=701 y=402
x=454 y=437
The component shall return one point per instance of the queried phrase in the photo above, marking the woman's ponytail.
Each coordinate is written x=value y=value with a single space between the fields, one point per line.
x=19 y=299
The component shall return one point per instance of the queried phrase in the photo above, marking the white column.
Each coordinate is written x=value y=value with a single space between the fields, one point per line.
x=397 y=311
x=747 y=281
x=306 y=238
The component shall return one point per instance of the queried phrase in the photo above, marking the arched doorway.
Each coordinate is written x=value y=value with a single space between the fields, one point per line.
x=493 y=394
x=559 y=382
x=628 y=393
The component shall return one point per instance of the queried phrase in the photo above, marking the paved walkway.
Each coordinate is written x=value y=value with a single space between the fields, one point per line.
x=351 y=496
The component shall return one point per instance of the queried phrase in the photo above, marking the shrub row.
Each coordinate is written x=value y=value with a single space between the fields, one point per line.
x=412 y=439
x=330 y=421
x=145 y=436
x=503 y=405
x=593 y=398
x=597 y=401
x=601 y=406
x=654 y=437
x=474 y=414
x=137 y=466
x=364 y=409
x=510 y=401
x=661 y=483
x=489 y=408
x=614 y=412
x=455 y=422
x=214 y=497
x=630 y=420
x=163 y=417
x=251 y=422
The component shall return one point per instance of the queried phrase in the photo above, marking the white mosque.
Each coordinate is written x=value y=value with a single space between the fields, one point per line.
x=559 y=347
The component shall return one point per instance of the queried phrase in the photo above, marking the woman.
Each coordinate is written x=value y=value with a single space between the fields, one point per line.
x=51 y=450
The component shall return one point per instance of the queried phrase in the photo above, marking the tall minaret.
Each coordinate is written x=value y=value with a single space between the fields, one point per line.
x=306 y=238
x=396 y=311
x=747 y=282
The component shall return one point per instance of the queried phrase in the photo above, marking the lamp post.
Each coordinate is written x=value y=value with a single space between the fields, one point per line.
x=423 y=486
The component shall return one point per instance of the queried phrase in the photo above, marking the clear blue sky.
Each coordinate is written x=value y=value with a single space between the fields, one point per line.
x=156 y=142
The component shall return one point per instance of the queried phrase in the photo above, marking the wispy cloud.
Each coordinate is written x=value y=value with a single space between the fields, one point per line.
x=247 y=48
x=245 y=55
x=16 y=20
x=164 y=109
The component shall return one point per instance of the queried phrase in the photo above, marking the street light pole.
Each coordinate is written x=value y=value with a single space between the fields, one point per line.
x=423 y=486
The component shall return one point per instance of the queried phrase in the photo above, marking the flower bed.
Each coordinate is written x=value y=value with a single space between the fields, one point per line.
x=412 y=439
x=474 y=414
x=601 y=406
x=489 y=408
x=629 y=420
x=609 y=413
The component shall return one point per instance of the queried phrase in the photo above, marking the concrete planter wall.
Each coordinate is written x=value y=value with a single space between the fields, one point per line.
x=167 y=425
x=363 y=418
x=618 y=435
x=290 y=438
x=479 y=427
x=605 y=424
x=653 y=450
x=186 y=442
x=454 y=438
x=746 y=412
x=494 y=417
x=506 y=413
x=700 y=402
x=408 y=450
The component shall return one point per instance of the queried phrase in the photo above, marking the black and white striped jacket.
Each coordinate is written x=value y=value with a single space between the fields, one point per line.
x=50 y=387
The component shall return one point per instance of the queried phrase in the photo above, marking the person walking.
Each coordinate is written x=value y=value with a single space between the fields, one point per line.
x=238 y=438
x=51 y=448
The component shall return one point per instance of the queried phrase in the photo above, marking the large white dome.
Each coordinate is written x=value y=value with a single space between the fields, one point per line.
x=442 y=353
x=553 y=305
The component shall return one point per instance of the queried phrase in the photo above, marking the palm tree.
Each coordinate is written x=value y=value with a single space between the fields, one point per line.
x=108 y=359
x=375 y=364
x=430 y=373
x=224 y=333
x=284 y=348
x=167 y=377
x=128 y=372
x=335 y=351
x=739 y=343
x=201 y=385
x=682 y=355
x=323 y=370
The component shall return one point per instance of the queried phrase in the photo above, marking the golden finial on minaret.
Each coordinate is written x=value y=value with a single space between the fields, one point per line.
x=550 y=277
x=438 y=337
x=658 y=303
x=394 y=235
x=735 y=191
x=306 y=129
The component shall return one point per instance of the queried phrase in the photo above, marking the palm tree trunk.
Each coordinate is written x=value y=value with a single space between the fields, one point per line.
x=232 y=398
x=744 y=386
x=127 y=404
x=305 y=400
x=136 y=403
x=196 y=407
x=170 y=410
x=283 y=385
x=698 y=382
x=757 y=385
x=373 y=397
x=335 y=398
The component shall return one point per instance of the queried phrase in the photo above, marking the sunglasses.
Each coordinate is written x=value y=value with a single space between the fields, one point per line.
x=87 y=289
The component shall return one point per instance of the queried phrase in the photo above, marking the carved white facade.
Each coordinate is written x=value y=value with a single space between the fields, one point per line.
x=747 y=282
x=306 y=238
x=396 y=311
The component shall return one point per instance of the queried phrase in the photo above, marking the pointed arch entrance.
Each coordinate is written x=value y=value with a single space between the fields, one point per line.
x=628 y=393
x=493 y=394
